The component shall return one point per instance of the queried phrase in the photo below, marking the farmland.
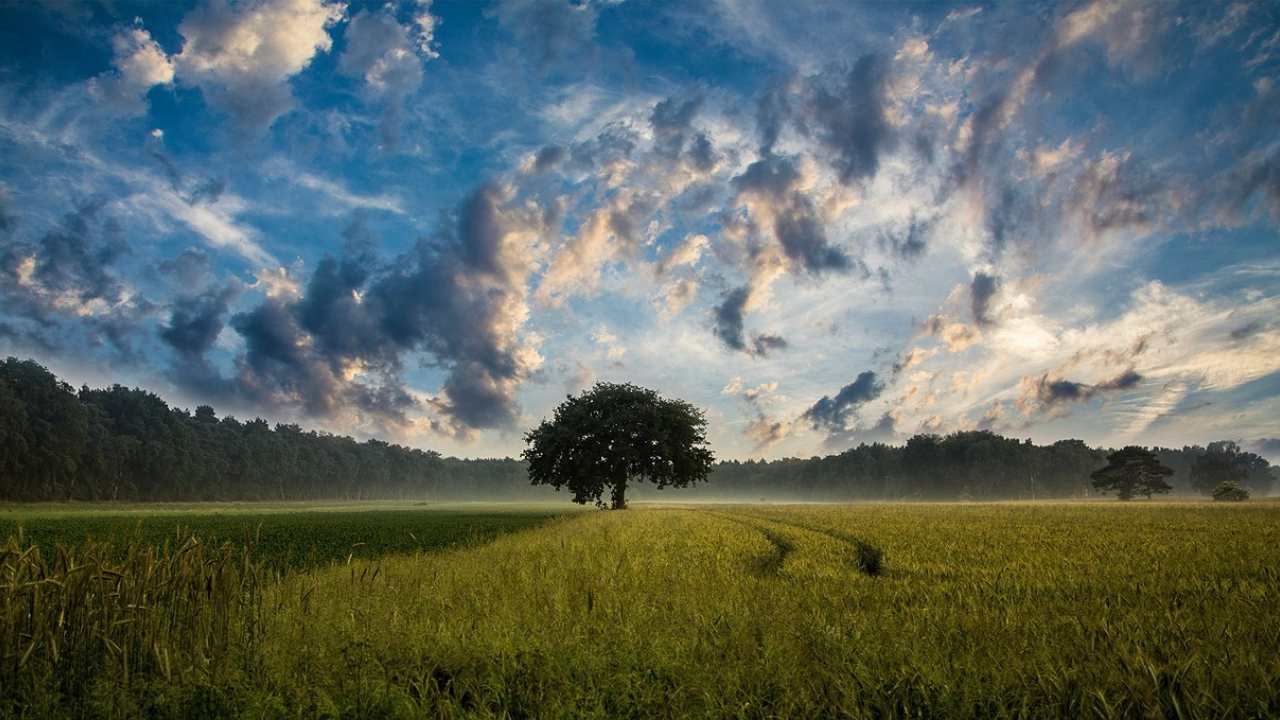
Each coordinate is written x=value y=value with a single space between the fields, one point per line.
x=282 y=535
x=977 y=610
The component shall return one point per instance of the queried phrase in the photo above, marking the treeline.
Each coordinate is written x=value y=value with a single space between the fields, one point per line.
x=977 y=464
x=118 y=443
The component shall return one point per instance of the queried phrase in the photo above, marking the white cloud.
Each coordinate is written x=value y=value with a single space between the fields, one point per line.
x=242 y=56
x=138 y=65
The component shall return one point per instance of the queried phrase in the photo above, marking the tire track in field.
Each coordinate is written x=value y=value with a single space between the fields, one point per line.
x=770 y=563
x=866 y=557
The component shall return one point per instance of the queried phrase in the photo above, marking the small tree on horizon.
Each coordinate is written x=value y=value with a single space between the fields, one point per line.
x=614 y=434
x=1230 y=491
x=1133 y=470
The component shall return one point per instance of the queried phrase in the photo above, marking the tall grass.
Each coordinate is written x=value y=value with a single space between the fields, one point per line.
x=90 y=620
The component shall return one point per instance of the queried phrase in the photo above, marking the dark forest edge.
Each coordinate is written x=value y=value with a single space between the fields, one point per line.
x=126 y=444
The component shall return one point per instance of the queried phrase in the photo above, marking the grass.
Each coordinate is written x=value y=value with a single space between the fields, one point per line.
x=982 y=610
x=283 y=535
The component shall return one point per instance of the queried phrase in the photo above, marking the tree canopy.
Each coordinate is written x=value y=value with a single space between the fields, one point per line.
x=1224 y=462
x=1132 y=471
x=614 y=434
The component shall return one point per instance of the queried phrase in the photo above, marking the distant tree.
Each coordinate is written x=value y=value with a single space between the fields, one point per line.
x=1219 y=463
x=614 y=434
x=1133 y=470
x=1230 y=491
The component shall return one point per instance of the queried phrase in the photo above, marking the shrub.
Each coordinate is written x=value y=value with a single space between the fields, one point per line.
x=1230 y=491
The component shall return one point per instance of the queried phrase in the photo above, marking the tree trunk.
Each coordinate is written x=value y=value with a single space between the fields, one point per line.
x=620 y=496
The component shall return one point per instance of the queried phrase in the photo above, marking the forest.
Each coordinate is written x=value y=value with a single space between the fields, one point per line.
x=128 y=444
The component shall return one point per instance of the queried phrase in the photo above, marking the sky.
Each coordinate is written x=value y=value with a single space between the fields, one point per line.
x=824 y=223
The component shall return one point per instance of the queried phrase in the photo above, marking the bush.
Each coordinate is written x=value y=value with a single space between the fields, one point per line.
x=1230 y=491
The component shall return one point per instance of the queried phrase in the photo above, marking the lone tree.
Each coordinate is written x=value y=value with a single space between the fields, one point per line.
x=613 y=434
x=1133 y=470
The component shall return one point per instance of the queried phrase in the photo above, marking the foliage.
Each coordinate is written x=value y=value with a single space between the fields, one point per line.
x=1230 y=491
x=128 y=445
x=1132 y=471
x=614 y=434
x=985 y=611
x=1224 y=462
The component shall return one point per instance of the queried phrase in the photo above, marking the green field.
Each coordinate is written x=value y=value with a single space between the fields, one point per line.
x=979 y=610
x=282 y=535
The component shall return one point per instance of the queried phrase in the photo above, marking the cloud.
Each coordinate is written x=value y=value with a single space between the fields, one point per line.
x=242 y=56
x=340 y=342
x=548 y=30
x=832 y=414
x=728 y=319
x=611 y=232
x=686 y=253
x=195 y=321
x=384 y=54
x=1044 y=394
x=1267 y=447
x=70 y=269
x=672 y=122
x=70 y=277
x=138 y=64
x=981 y=290
x=848 y=118
x=771 y=189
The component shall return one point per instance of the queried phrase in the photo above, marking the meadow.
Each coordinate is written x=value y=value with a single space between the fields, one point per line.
x=880 y=610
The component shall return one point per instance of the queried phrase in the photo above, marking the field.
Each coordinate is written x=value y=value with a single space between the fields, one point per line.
x=971 y=610
x=282 y=535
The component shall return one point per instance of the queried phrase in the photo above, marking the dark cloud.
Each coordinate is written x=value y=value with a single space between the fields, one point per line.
x=75 y=258
x=764 y=344
x=884 y=430
x=277 y=368
x=728 y=316
x=844 y=110
x=548 y=157
x=195 y=321
x=67 y=283
x=849 y=119
x=614 y=143
x=771 y=115
x=672 y=121
x=774 y=181
x=832 y=414
x=1045 y=394
x=1267 y=447
x=343 y=341
x=981 y=290
x=701 y=153
x=1123 y=381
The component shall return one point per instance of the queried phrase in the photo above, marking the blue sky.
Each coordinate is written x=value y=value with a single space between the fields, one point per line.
x=825 y=223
